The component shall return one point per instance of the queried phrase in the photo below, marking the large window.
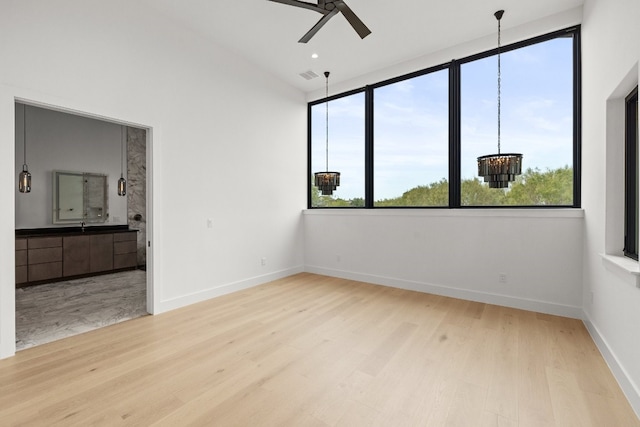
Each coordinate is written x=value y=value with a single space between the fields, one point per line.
x=411 y=133
x=536 y=120
x=413 y=141
x=344 y=152
x=631 y=175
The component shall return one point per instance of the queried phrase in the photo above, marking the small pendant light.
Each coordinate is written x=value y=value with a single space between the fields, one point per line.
x=24 y=179
x=499 y=169
x=122 y=183
x=327 y=181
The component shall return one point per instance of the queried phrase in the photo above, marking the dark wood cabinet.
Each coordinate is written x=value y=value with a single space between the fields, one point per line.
x=41 y=259
x=125 y=250
x=44 y=258
x=45 y=271
x=75 y=259
x=88 y=254
x=101 y=253
x=21 y=261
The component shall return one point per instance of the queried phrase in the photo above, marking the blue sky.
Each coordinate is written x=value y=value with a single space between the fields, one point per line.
x=411 y=122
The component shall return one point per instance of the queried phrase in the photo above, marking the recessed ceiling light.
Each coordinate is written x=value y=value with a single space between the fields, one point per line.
x=314 y=55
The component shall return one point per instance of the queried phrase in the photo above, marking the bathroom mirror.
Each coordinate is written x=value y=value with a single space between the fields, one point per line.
x=79 y=197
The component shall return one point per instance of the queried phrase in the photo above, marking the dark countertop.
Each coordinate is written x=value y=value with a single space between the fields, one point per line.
x=73 y=231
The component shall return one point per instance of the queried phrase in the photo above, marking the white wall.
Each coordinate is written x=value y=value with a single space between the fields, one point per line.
x=60 y=141
x=228 y=142
x=611 y=50
x=459 y=253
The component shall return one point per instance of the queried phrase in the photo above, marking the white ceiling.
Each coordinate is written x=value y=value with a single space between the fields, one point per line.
x=266 y=33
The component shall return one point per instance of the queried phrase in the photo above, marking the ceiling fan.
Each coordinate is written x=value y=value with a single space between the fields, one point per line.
x=328 y=8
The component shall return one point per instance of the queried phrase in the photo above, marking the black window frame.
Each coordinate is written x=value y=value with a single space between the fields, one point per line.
x=631 y=175
x=455 y=126
x=309 y=137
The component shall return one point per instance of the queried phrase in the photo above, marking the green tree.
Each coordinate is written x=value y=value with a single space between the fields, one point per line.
x=316 y=199
x=434 y=194
x=533 y=187
x=474 y=192
x=553 y=187
x=320 y=201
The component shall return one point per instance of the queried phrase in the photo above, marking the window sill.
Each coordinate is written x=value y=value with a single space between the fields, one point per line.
x=623 y=264
x=451 y=213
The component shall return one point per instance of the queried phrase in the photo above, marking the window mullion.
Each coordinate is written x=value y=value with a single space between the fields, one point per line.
x=368 y=147
x=309 y=180
x=454 y=135
x=577 y=117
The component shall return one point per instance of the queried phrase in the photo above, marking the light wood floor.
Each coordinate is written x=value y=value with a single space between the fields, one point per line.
x=310 y=350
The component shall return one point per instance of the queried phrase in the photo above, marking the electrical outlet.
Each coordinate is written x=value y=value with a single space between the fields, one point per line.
x=502 y=278
x=338 y=258
x=263 y=261
x=209 y=222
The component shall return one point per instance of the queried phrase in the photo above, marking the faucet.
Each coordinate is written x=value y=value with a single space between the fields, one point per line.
x=82 y=226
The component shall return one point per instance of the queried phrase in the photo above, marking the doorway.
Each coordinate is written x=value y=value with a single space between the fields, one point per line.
x=58 y=139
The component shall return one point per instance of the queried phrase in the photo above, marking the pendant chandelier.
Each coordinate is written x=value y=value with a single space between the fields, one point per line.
x=502 y=168
x=24 y=179
x=327 y=181
x=122 y=183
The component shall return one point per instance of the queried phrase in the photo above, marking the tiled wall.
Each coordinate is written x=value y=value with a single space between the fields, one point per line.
x=136 y=187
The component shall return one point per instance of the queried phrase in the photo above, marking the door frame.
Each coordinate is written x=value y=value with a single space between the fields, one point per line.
x=8 y=97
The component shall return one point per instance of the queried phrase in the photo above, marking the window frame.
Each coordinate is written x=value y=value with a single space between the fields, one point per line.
x=631 y=175
x=370 y=147
x=455 y=126
x=310 y=105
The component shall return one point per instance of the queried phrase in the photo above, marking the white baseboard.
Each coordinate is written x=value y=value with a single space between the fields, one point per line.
x=227 y=288
x=628 y=387
x=466 y=294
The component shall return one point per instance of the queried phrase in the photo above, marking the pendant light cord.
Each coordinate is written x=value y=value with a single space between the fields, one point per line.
x=326 y=74
x=121 y=150
x=499 y=84
x=24 y=124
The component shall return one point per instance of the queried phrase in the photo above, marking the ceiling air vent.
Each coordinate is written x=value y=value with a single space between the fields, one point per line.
x=308 y=75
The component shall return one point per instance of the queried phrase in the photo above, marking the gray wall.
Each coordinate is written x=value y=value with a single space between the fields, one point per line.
x=61 y=141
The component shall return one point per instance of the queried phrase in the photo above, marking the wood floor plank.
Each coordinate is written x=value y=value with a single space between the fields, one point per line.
x=501 y=398
x=534 y=398
x=467 y=405
x=569 y=405
x=383 y=352
x=311 y=350
x=489 y=419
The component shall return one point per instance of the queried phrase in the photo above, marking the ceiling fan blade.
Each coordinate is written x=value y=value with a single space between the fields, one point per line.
x=355 y=22
x=318 y=25
x=302 y=4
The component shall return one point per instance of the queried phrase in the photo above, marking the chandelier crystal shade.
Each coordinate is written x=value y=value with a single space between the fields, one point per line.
x=499 y=169
x=24 y=179
x=327 y=182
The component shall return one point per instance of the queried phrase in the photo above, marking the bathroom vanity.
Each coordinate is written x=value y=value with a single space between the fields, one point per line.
x=61 y=253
